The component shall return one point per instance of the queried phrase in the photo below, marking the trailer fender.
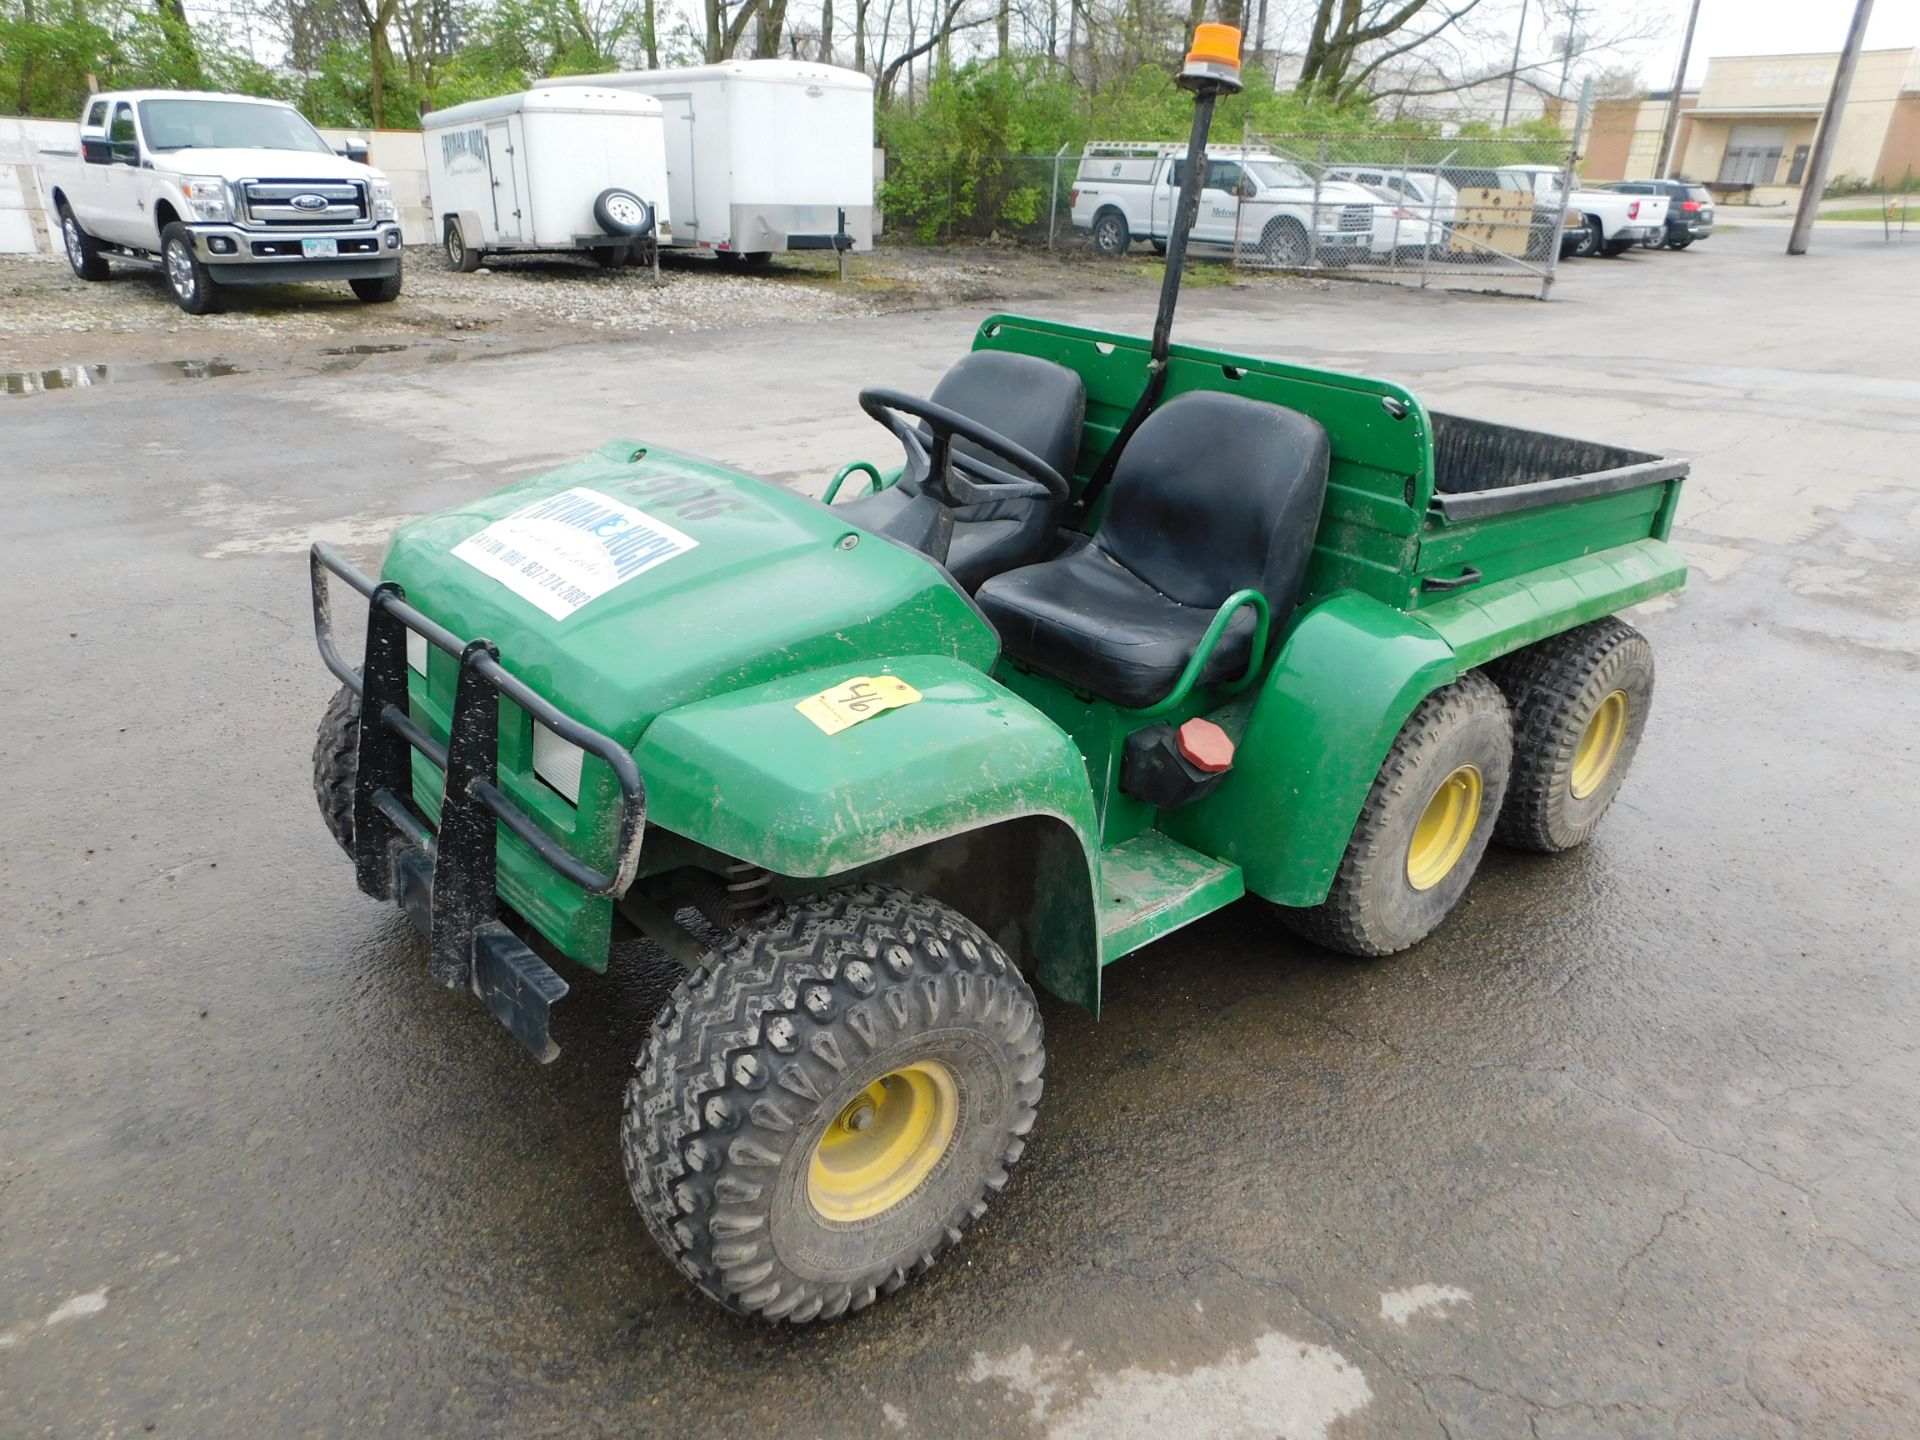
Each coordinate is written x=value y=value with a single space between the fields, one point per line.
x=1343 y=684
x=967 y=793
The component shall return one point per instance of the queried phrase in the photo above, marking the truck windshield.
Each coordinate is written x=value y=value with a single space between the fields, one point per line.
x=226 y=125
x=1278 y=172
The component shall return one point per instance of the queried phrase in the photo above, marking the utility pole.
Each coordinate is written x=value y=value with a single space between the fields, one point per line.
x=1663 y=162
x=1816 y=176
x=1513 y=73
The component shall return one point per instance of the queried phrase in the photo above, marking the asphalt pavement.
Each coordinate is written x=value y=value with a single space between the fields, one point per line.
x=1627 y=1148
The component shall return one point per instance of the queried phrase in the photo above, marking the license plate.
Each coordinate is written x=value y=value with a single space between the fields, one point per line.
x=318 y=249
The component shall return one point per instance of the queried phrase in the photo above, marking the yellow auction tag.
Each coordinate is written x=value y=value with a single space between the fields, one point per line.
x=852 y=701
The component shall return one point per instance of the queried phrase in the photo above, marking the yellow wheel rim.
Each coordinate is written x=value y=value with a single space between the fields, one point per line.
x=1445 y=829
x=1599 y=744
x=884 y=1143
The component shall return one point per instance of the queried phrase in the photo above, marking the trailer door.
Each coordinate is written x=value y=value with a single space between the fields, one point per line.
x=506 y=192
x=676 y=114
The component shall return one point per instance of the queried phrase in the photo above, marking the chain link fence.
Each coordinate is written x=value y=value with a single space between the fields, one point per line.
x=1429 y=211
x=1476 y=213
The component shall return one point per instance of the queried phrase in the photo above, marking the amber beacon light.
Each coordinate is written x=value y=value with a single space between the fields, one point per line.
x=1214 y=60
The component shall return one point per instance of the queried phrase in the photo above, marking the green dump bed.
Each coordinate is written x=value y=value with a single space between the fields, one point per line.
x=1507 y=501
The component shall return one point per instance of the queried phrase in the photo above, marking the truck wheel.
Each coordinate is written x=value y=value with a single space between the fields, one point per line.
x=1579 y=702
x=1592 y=240
x=1110 y=233
x=192 y=286
x=336 y=756
x=378 y=289
x=822 y=1110
x=1424 y=826
x=459 y=255
x=83 y=251
x=1285 y=243
x=1614 y=249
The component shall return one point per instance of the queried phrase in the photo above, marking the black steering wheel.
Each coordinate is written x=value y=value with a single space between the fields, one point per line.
x=933 y=448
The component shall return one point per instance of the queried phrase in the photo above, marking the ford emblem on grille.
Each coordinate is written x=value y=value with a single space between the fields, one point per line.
x=308 y=202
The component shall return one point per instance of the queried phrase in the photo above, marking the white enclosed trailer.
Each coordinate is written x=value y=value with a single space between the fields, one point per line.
x=580 y=169
x=762 y=155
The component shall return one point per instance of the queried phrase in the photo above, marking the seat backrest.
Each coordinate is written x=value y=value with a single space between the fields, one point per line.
x=1032 y=402
x=1217 y=493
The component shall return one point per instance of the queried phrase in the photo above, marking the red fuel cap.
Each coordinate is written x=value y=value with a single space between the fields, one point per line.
x=1205 y=746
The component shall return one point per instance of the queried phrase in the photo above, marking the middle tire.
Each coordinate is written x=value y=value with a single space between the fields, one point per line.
x=822 y=1110
x=1424 y=826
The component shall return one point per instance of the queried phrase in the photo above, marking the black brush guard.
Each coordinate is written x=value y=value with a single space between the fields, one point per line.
x=446 y=881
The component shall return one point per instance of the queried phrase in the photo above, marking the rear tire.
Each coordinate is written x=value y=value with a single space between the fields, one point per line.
x=824 y=1108
x=1110 y=233
x=193 y=288
x=460 y=255
x=1424 y=826
x=1580 y=702
x=1591 y=242
x=1614 y=249
x=336 y=758
x=379 y=289
x=83 y=251
x=622 y=213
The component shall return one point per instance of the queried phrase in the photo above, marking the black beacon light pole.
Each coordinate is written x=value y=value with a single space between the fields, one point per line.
x=1212 y=70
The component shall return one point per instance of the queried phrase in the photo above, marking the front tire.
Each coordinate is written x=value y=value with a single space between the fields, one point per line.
x=336 y=758
x=378 y=289
x=1110 y=233
x=83 y=251
x=1580 y=702
x=193 y=288
x=1424 y=826
x=1285 y=244
x=825 y=1108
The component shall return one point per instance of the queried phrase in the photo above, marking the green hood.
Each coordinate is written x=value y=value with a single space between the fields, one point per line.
x=721 y=582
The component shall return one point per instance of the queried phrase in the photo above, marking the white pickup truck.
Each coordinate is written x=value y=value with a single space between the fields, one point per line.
x=1126 y=192
x=219 y=190
x=1614 y=223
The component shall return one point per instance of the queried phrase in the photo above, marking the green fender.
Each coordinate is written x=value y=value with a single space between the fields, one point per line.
x=1344 y=683
x=969 y=794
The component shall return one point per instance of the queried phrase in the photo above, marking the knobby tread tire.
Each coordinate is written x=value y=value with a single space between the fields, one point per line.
x=1553 y=689
x=744 y=1064
x=336 y=756
x=1353 y=919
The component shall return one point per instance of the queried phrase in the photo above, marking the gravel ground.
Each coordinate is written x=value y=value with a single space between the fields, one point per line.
x=43 y=307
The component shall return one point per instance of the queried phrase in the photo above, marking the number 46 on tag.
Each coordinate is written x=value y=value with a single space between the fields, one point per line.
x=851 y=701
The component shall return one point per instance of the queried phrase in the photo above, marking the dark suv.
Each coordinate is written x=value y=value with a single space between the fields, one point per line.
x=1689 y=208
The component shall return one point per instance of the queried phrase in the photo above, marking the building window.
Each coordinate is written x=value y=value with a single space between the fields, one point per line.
x=1798 y=170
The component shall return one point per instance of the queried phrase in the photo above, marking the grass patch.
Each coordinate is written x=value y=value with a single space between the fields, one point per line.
x=1875 y=214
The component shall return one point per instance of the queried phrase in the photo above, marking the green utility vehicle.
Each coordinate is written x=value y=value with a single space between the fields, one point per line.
x=1135 y=630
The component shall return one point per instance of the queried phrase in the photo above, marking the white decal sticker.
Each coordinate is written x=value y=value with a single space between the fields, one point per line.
x=567 y=549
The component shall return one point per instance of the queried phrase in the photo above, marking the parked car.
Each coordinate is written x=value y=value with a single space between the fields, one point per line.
x=1689 y=210
x=1125 y=192
x=762 y=155
x=1421 y=191
x=1616 y=223
x=575 y=170
x=219 y=190
x=1401 y=232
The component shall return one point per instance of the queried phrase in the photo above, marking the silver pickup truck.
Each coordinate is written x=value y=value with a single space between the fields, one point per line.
x=220 y=190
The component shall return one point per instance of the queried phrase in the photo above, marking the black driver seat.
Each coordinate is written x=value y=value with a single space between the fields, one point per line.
x=1214 y=493
x=1034 y=403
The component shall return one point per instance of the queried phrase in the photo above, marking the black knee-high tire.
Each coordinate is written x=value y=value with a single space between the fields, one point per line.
x=1559 y=690
x=336 y=757
x=1375 y=906
x=760 y=1054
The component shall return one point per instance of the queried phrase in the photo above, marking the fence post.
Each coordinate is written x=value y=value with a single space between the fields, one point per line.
x=1053 y=210
x=1313 y=216
x=1566 y=185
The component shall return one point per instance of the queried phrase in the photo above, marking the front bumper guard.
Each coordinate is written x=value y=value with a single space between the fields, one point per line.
x=446 y=882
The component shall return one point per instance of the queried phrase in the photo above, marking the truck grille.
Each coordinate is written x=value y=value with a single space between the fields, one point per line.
x=273 y=202
x=1356 y=219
